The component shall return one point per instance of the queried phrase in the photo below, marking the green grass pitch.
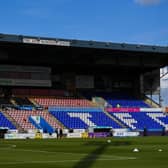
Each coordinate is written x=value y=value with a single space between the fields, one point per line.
x=85 y=153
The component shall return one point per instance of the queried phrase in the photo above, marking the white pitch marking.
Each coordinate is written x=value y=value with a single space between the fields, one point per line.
x=108 y=157
x=59 y=161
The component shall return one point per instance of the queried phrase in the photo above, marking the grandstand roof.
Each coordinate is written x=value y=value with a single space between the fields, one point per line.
x=82 y=43
x=20 y=49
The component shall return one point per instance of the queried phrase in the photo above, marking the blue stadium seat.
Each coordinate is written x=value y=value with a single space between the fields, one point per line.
x=139 y=120
x=115 y=98
x=4 y=122
x=127 y=103
x=83 y=118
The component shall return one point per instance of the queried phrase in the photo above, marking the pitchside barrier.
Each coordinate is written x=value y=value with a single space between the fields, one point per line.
x=125 y=132
x=30 y=136
x=74 y=135
x=122 y=109
x=135 y=109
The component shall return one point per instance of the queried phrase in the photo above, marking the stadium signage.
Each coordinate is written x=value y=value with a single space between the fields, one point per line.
x=98 y=134
x=29 y=136
x=19 y=136
x=79 y=130
x=74 y=135
x=125 y=134
x=25 y=82
x=151 y=109
x=48 y=136
x=46 y=41
x=123 y=109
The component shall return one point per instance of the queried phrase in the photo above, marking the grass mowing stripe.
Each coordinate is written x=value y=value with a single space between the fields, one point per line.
x=59 y=161
x=69 y=153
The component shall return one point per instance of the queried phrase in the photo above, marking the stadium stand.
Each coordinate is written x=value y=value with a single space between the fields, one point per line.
x=65 y=102
x=75 y=84
x=80 y=113
x=127 y=103
x=4 y=122
x=82 y=118
x=153 y=121
x=116 y=99
x=22 y=118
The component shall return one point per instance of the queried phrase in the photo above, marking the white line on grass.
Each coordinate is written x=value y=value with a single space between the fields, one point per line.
x=57 y=161
x=70 y=153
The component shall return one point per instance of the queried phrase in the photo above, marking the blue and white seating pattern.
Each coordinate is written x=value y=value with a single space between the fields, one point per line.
x=83 y=119
x=127 y=103
x=4 y=122
x=115 y=98
x=139 y=120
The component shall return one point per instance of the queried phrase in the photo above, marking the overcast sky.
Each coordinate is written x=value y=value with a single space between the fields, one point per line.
x=131 y=21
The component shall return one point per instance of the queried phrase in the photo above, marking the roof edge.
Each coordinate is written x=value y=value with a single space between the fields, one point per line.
x=11 y=38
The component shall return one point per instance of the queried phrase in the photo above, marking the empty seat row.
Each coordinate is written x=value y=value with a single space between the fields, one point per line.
x=4 y=122
x=21 y=117
x=141 y=120
x=118 y=98
x=84 y=120
x=63 y=102
x=127 y=103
